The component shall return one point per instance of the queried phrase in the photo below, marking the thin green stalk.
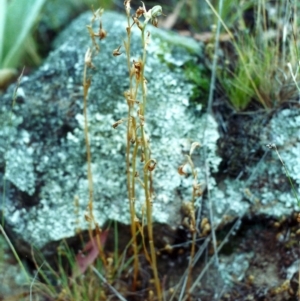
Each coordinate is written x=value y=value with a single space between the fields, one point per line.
x=287 y=174
x=15 y=253
x=33 y=280
x=46 y=279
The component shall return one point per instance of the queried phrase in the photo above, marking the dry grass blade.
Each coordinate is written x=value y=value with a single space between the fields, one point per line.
x=108 y=285
x=212 y=260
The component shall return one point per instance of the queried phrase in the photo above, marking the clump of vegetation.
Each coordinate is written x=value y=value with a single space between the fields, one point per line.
x=198 y=75
x=257 y=69
x=246 y=80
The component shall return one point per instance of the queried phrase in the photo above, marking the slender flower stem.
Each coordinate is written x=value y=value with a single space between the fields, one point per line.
x=130 y=160
x=86 y=85
x=148 y=195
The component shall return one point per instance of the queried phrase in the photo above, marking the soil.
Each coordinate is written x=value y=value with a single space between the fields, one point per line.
x=269 y=248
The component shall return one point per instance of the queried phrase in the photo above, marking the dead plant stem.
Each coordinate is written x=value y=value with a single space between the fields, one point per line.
x=86 y=85
x=131 y=161
x=224 y=241
x=91 y=219
x=192 y=227
x=148 y=195
x=190 y=267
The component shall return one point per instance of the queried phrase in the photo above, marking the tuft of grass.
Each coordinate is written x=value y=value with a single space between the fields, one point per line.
x=257 y=70
x=260 y=76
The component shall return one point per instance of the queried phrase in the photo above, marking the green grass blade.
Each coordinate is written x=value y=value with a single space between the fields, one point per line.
x=12 y=248
x=20 y=18
x=2 y=25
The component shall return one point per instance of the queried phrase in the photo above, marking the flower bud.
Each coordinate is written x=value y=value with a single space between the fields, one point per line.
x=117 y=52
x=156 y=11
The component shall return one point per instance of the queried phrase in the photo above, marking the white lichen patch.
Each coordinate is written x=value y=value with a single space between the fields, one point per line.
x=19 y=169
x=229 y=200
x=234 y=267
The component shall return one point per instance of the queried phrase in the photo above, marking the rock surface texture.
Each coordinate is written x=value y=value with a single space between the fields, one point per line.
x=43 y=152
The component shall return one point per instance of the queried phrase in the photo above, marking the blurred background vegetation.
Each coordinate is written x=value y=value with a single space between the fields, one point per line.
x=27 y=27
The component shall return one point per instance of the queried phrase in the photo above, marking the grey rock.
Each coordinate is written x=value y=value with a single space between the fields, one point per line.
x=280 y=192
x=262 y=170
x=42 y=146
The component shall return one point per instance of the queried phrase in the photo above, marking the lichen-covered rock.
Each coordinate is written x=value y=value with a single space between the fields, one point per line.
x=279 y=173
x=42 y=146
x=260 y=160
